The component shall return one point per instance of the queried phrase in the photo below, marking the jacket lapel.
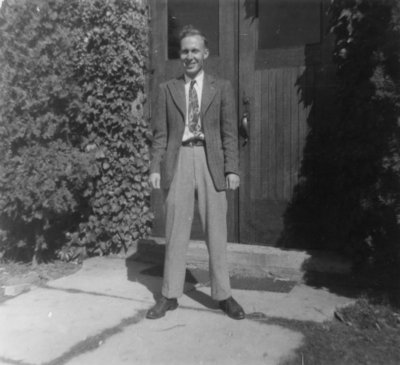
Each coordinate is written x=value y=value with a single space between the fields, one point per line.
x=209 y=92
x=177 y=89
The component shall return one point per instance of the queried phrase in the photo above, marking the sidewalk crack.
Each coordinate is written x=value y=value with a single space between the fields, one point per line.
x=93 y=342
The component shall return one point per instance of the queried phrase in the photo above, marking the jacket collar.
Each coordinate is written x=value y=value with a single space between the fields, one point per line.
x=177 y=89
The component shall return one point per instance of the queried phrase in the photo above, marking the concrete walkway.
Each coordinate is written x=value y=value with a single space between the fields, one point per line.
x=97 y=316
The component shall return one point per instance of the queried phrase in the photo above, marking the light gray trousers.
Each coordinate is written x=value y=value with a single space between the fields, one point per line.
x=192 y=174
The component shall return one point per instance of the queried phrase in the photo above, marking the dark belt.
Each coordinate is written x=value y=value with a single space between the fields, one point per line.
x=193 y=143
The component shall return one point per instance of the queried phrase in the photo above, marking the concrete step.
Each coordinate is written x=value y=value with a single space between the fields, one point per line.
x=287 y=263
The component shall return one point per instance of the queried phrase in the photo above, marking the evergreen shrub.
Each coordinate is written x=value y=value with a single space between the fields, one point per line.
x=74 y=141
x=348 y=197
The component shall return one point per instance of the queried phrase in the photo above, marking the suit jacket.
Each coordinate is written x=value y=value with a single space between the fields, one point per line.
x=219 y=122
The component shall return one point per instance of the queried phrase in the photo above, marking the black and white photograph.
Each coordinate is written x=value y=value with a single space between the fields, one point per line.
x=199 y=182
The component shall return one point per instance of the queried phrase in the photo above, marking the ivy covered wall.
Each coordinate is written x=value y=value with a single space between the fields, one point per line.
x=74 y=141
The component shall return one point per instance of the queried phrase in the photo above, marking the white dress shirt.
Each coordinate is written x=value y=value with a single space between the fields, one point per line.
x=199 y=89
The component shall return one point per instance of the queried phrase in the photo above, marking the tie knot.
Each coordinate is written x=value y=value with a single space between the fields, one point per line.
x=192 y=83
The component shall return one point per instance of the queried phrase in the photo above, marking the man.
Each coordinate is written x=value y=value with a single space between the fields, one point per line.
x=195 y=134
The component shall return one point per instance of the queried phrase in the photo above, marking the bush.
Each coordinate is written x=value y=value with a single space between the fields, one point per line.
x=74 y=139
x=368 y=57
x=349 y=194
x=110 y=63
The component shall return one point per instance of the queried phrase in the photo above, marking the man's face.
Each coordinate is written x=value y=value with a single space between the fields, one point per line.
x=193 y=53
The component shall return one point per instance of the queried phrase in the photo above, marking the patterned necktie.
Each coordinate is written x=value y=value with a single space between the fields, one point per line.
x=194 y=110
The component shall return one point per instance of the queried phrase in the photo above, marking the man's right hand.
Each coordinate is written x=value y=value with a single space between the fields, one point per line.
x=155 y=179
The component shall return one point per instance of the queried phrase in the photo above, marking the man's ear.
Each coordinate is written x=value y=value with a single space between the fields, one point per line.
x=206 y=53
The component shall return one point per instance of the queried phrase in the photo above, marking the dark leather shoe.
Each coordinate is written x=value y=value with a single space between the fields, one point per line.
x=160 y=308
x=232 y=308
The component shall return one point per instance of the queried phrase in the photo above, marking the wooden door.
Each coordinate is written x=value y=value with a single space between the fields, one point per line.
x=280 y=48
x=270 y=50
x=218 y=20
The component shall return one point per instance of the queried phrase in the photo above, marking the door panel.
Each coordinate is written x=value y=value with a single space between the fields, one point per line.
x=270 y=66
x=271 y=159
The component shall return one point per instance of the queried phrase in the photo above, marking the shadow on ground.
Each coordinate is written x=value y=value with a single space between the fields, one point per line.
x=150 y=272
x=146 y=267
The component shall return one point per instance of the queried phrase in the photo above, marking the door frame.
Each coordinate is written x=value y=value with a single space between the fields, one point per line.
x=241 y=57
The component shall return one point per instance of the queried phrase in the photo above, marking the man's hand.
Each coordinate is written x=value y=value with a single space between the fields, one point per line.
x=155 y=179
x=232 y=181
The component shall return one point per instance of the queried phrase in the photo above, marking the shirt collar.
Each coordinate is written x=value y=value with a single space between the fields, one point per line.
x=199 y=78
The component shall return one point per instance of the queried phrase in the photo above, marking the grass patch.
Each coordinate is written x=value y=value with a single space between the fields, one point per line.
x=363 y=333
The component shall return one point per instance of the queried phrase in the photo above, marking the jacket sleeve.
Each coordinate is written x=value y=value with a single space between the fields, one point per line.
x=229 y=129
x=160 y=131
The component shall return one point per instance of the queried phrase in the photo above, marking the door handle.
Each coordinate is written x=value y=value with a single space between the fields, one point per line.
x=244 y=122
x=244 y=127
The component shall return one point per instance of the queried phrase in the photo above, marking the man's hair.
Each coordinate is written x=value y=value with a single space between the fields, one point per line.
x=189 y=30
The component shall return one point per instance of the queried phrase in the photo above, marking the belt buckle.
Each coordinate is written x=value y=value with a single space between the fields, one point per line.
x=191 y=143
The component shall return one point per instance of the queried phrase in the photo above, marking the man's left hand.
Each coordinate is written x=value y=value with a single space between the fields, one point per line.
x=232 y=181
